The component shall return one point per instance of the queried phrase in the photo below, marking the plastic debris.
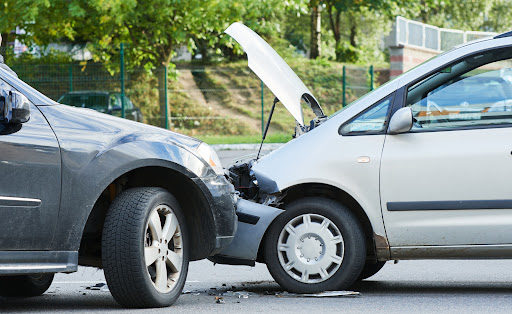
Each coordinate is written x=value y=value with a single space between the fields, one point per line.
x=238 y=294
x=327 y=294
x=98 y=286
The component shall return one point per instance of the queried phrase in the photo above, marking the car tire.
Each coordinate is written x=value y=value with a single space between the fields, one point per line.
x=25 y=285
x=321 y=246
x=144 y=260
x=370 y=269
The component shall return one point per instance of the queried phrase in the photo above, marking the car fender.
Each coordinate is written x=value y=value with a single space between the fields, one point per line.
x=82 y=187
x=96 y=149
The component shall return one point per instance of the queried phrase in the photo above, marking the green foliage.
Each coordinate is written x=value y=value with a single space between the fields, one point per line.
x=245 y=139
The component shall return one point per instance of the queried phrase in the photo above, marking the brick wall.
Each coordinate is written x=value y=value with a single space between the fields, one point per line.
x=404 y=58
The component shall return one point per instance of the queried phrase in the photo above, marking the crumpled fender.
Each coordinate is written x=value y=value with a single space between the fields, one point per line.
x=253 y=221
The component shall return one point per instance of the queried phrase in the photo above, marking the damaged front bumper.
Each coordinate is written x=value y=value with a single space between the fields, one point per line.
x=222 y=199
x=253 y=221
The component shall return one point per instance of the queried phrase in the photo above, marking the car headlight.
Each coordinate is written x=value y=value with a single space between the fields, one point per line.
x=209 y=155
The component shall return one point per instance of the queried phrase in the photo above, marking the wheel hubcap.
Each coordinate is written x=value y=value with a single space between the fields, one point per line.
x=310 y=248
x=163 y=252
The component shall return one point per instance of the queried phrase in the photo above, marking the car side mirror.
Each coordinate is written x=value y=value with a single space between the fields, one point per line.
x=401 y=121
x=14 y=108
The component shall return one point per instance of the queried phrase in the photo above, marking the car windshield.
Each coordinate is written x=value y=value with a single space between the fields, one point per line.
x=93 y=101
x=362 y=98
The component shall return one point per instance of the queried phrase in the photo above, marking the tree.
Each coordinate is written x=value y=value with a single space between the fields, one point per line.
x=352 y=11
x=316 y=29
x=14 y=13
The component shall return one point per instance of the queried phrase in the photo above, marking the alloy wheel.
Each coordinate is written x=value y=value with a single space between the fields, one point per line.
x=163 y=252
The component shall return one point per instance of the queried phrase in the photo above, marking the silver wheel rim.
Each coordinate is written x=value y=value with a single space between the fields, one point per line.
x=163 y=252
x=310 y=248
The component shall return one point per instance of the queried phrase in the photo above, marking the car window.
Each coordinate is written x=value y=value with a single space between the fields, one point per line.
x=92 y=101
x=114 y=101
x=371 y=121
x=128 y=104
x=474 y=92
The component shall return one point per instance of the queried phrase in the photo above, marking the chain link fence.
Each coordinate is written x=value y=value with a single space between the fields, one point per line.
x=200 y=100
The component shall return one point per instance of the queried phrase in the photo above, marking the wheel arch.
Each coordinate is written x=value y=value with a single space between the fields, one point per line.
x=191 y=196
x=377 y=246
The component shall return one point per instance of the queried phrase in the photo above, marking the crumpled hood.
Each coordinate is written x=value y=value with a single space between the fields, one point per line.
x=274 y=71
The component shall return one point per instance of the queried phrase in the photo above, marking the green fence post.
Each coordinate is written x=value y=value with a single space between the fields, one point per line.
x=165 y=99
x=372 y=77
x=344 y=82
x=262 y=112
x=70 y=77
x=122 y=79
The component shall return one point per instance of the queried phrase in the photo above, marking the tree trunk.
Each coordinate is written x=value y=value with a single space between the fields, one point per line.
x=353 y=30
x=161 y=95
x=316 y=30
x=334 y=21
x=5 y=41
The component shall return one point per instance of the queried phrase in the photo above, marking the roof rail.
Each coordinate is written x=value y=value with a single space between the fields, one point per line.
x=507 y=34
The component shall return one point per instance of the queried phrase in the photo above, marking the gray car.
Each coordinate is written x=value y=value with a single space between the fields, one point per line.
x=104 y=102
x=79 y=187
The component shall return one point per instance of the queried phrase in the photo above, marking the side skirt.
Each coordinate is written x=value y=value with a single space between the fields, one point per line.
x=484 y=251
x=34 y=262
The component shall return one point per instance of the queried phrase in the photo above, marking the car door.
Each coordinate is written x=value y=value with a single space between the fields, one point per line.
x=30 y=182
x=448 y=181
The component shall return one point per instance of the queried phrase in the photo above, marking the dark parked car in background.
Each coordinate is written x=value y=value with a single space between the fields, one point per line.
x=104 y=102
x=79 y=187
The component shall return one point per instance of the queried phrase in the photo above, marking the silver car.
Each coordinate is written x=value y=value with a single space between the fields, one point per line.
x=417 y=169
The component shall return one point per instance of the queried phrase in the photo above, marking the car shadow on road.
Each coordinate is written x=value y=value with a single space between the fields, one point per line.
x=50 y=302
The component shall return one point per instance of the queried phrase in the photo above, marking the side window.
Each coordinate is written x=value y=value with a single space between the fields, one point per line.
x=128 y=103
x=114 y=102
x=474 y=92
x=371 y=121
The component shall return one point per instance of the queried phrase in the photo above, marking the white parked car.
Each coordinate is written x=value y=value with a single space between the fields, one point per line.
x=420 y=168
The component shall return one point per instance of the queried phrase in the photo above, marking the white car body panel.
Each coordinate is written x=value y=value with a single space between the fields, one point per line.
x=271 y=69
x=447 y=166
x=324 y=156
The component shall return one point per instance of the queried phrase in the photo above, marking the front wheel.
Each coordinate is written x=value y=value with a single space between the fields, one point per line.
x=25 y=285
x=145 y=248
x=317 y=244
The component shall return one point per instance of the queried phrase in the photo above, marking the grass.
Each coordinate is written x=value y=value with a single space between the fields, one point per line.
x=245 y=139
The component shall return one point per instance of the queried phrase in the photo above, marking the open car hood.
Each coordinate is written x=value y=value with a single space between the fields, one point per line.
x=274 y=72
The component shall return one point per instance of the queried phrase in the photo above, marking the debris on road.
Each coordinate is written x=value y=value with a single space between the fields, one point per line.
x=97 y=286
x=238 y=294
x=219 y=300
x=327 y=294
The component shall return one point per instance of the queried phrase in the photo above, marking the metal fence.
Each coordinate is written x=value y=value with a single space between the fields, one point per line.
x=214 y=99
x=409 y=32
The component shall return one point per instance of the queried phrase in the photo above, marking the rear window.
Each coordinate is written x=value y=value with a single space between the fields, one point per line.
x=96 y=102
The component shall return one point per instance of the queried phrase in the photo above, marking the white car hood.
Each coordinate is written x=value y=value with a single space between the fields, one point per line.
x=273 y=71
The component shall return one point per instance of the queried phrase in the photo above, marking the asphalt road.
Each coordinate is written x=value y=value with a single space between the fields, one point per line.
x=409 y=286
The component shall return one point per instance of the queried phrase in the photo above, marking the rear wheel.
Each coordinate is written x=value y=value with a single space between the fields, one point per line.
x=315 y=245
x=145 y=248
x=25 y=285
